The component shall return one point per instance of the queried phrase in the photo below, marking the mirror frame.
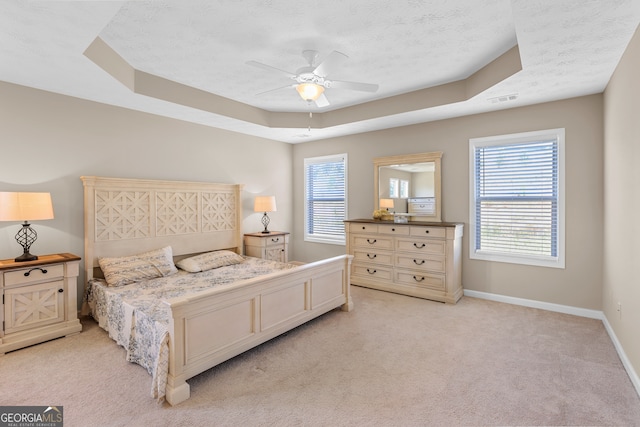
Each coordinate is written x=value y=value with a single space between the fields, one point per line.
x=435 y=157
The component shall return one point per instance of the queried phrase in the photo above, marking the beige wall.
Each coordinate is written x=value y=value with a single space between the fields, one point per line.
x=579 y=284
x=622 y=202
x=48 y=141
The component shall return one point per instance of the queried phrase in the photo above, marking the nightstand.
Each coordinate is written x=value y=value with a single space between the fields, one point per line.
x=273 y=246
x=39 y=300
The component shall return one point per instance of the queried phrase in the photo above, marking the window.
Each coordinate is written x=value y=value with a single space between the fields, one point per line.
x=404 y=189
x=517 y=198
x=398 y=188
x=325 y=187
x=394 y=186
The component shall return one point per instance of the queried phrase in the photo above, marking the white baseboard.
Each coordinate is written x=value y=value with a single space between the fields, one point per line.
x=576 y=311
x=582 y=312
x=633 y=376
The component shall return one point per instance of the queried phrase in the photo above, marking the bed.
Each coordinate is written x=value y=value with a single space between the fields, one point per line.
x=192 y=327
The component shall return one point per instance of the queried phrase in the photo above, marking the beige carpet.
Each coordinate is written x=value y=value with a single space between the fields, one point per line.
x=393 y=361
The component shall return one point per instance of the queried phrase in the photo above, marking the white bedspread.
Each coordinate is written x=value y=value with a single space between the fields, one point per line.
x=136 y=319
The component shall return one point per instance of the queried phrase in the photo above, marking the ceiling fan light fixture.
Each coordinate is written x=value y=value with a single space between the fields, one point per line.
x=309 y=91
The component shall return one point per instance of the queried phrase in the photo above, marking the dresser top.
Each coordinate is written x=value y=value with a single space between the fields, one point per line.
x=390 y=222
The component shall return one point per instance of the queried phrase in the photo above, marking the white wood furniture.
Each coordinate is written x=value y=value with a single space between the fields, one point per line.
x=273 y=246
x=39 y=300
x=127 y=216
x=418 y=258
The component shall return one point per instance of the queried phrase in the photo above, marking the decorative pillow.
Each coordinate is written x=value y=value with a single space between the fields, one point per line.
x=209 y=260
x=148 y=265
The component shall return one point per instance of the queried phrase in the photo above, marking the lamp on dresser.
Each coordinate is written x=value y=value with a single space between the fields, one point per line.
x=25 y=207
x=265 y=204
x=386 y=203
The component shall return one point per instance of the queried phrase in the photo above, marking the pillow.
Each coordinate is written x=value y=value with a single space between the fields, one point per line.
x=209 y=260
x=148 y=265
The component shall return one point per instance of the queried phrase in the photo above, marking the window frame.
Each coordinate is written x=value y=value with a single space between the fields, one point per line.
x=514 y=139
x=325 y=238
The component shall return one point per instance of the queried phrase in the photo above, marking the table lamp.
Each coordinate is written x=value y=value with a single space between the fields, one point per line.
x=25 y=207
x=386 y=203
x=265 y=204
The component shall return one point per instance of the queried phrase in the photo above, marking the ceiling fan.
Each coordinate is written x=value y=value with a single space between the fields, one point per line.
x=311 y=80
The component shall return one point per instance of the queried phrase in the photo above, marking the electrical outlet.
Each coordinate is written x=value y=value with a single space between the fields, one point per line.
x=619 y=309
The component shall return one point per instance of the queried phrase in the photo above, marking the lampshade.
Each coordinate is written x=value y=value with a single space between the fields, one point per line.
x=309 y=91
x=264 y=204
x=386 y=203
x=25 y=206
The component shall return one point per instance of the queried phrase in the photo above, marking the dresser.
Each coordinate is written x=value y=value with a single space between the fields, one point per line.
x=273 y=246
x=419 y=259
x=39 y=300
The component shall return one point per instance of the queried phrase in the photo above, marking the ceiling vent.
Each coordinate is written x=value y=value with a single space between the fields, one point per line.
x=503 y=98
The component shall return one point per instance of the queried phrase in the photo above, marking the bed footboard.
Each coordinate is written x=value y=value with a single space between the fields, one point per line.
x=216 y=325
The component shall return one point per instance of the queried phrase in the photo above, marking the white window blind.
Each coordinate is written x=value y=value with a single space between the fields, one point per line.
x=325 y=198
x=517 y=212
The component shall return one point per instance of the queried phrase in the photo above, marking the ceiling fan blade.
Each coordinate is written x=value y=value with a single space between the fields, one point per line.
x=278 y=88
x=322 y=101
x=331 y=62
x=270 y=68
x=364 y=87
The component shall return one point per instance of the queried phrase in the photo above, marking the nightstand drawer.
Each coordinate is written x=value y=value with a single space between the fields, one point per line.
x=33 y=275
x=276 y=240
x=266 y=240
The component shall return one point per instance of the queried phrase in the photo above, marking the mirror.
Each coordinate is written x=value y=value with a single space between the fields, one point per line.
x=409 y=185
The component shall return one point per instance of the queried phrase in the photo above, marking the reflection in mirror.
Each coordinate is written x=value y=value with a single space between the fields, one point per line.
x=411 y=183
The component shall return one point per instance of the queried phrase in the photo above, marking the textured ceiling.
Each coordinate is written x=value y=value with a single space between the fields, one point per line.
x=187 y=59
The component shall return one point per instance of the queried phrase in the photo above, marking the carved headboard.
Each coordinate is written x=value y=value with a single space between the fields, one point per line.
x=128 y=216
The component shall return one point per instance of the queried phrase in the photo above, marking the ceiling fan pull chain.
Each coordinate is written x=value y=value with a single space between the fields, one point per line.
x=310 y=116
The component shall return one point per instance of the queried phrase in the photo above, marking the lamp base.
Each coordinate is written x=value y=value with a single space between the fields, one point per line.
x=265 y=222
x=25 y=238
x=26 y=257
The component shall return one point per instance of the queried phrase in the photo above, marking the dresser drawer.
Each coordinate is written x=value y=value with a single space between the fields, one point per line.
x=363 y=228
x=421 y=279
x=432 y=232
x=434 y=263
x=421 y=246
x=369 y=271
x=373 y=256
x=393 y=229
x=371 y=242
x=33 y=275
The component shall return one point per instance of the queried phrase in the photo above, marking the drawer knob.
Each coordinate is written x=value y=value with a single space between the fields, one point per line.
x=61 y=290
x=26 y=274
x=370 y=242
x=364 y=228
x=415 y=261
x=419 y=247
x=371 y=271
x=426 y=231
x=393 y=229
x=275 y=240
x=371 y=256
x=418 y=280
